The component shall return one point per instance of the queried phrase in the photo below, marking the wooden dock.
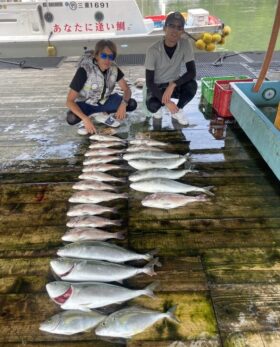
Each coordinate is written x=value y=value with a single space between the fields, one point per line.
x=220 y=259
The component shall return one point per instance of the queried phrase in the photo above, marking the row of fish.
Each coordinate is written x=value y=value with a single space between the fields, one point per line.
x=86 y=266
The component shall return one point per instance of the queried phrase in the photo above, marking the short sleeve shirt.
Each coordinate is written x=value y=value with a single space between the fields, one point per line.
x=80 y=78
x=167 y=69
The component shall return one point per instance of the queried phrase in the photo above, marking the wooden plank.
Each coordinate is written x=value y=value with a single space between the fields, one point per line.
x=204 y=342
x=252 y=339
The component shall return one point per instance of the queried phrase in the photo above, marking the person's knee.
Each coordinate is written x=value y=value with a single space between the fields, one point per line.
x=132 y=105
x=193 y=87
x=71 y=118
x=153 y=105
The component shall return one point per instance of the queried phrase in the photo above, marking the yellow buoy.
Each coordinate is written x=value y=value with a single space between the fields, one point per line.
x=210 y=47
x=200 y=44
x=226 y=30
x=216 y=37
x=51 y=50
x=207 y=37
x=222 y=41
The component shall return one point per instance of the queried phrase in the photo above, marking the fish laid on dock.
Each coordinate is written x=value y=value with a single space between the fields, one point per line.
x=147 y=142
x=165 y=185
x=131 y=321
x=150 y=155
x=88 y=295
x=91 y=221
x=95 y=196
x=106 y=144
x=101 y=160
x=103 y=152
x=157 y=173
x=100 y=176
x=138 y=148
x=72 y=322
x=170 y=200
x=92 y=185
x=91 y=234
x=89 y=210
x=106 y=138
x=101 y=168
x=169 y=163
x=69 y=269
x=99 y=250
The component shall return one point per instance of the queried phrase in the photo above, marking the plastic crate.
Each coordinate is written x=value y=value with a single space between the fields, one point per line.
x=222 y=96
x=208 y=84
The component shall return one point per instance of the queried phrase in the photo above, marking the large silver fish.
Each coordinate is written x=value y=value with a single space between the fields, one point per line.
x=101 y=168
x=100 y=176
x=92 y=185
x=91 y=221
x=69 y=269
x=170 y=200
x=91 y=234
x=165 y=185
x=99 y=250
x=169 y=163
x=101 y=160
x=147 y=142
x=131 y=321
x=150 y=155
x=106 y=138
x=157 y=173
x=138 y=148
x=106 y=144
x=95 y=196
x=72 y=322
x=88 y=295
x=89 y=210
x=103 y=152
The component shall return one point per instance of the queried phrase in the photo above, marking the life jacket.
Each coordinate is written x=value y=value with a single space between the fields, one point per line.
x=98 y=86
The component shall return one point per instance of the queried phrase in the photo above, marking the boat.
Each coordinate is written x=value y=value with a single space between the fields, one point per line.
x=38 y=28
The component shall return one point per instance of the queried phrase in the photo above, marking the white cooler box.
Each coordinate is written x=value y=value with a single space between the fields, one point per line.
x=197 y=17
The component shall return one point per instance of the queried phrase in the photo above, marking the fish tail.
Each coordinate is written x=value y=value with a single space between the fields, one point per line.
x=121 y=179
x=171 y=314
x=149 y=290
x=151 y=254
x=120 y=235
x=114 y=210
x=123 y=195
x=149 y=268
x=117 y=222
x=206 y=190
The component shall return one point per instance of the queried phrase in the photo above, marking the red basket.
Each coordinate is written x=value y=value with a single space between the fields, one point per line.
x=222 y=96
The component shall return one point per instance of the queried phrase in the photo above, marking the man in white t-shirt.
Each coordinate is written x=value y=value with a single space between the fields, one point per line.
x=163 y=64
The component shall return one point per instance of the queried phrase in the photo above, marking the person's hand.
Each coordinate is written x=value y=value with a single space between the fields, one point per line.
x=121 y=112
x=172 y=107
x=167 y=93
x=90 y=128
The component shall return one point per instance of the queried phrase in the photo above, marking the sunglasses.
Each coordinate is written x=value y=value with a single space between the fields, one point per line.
x=104 y=56
x=175 y=27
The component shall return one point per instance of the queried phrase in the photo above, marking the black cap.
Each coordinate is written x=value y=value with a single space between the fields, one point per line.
x=175 y=16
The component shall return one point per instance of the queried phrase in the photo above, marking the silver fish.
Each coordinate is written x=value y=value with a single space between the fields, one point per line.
x=95 y=196
x=157 y=173
x=89 y=210
x=91 y=234
x=72 y=322
x=103 y=152
x=147 y=142
x=150 y=155
x=101 y=160
x=138 y=148
x=92 y=185
x=170 y=200
x=100 y=176
x=165 y=185
x=106 y=144
x=101 y=168
x=104 y=138
x=99 y=250
x=91 y=221
x=131 y=321
x=69 y=269
x=144 y=164
x=88 y=295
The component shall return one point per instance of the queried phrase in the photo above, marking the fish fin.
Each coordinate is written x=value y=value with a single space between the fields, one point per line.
x=207 y=190
x=121 y=235
x=171 y=314
x=153 y=252
x=149 y=290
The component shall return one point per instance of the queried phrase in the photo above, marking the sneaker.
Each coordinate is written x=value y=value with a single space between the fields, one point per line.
x=82 y=131
x=107 y=120
x=180 y=117
x=158 y=114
